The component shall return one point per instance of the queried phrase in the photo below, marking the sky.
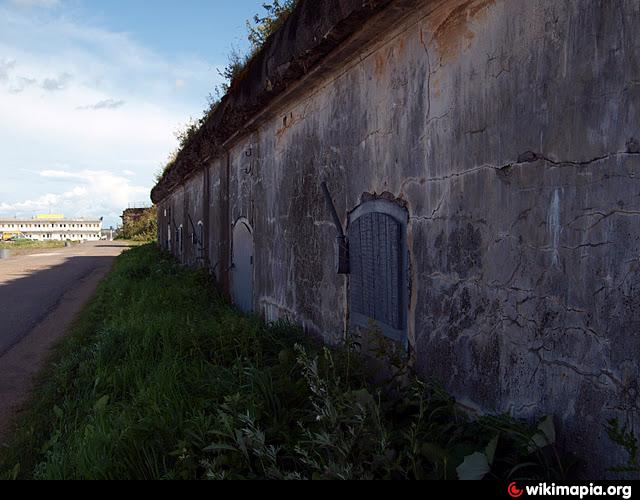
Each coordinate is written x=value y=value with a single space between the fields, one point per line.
x=93 y=91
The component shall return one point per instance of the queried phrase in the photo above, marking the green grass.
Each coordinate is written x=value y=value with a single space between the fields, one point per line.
x=29 y=244
x=162 y=379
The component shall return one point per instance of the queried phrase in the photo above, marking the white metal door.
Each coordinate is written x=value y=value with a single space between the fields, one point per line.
x=242 y=268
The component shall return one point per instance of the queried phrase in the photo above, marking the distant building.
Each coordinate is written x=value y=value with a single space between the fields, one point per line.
x=51 y=228
x=108 y=234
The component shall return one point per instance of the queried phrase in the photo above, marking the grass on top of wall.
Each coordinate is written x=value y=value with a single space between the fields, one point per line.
x=162 y=379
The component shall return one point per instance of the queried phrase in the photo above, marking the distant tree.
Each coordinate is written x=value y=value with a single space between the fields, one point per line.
x=143 y=228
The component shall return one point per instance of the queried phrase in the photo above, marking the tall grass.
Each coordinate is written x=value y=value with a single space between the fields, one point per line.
x=162 y=379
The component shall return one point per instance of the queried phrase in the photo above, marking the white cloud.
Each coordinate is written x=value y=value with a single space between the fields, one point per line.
x=21 y=83
x=91 y=194
x=59 y=83
x=35 y=3
x=104 y=104
x=93 y=100
x=6 y=68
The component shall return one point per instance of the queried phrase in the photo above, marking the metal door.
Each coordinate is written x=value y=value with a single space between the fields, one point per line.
x=378 y=255
x=242 y=267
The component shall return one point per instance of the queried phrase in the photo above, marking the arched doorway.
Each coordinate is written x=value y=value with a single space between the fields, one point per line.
x=242 y=266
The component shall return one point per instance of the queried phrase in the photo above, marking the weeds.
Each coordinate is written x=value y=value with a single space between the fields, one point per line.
x=263 y=25
x=143 y=229
x=161 y=379
x=628 y=441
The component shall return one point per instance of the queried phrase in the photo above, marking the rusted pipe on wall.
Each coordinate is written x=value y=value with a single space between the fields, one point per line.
x=343 y=244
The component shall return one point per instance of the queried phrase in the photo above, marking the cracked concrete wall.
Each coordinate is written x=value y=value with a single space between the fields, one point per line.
x=193 y=214
x=216 y=173
x=510 y=129
x=527 y=283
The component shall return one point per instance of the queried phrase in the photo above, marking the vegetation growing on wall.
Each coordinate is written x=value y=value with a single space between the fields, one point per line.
x=162 y=379
x=263 y=26
x=258 y=31
x=143 y=228
x=628 y=441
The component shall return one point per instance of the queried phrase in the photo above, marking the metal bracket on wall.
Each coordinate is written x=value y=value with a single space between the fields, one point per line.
x=194 y=235
x=249 y=154
x=343 y=245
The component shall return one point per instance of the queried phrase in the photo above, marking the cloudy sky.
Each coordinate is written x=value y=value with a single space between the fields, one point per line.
x=92 y=91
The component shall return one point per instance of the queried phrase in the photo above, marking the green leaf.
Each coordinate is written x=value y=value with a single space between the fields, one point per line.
x=58 y=412
x=363 y=398
x=433 y=453
x=15 y=472
x=548 y=428
x=220 y=447
x=491 y=449
x=545 y=437
x=101 y=404
x=474 y=468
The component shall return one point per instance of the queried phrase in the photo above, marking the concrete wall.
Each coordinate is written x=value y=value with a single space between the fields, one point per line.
x=509 y=129
x=218 y=218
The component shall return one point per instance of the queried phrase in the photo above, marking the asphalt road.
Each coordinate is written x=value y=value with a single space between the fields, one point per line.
x=41 y=294
x=32 y=286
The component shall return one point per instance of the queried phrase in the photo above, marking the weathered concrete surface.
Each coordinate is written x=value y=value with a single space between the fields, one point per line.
x=313 y=31
x=510 y=129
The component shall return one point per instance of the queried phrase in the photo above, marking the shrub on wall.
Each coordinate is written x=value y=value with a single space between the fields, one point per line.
x=142 y=228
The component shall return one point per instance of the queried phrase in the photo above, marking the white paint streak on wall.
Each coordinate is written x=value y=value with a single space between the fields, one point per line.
x=555 y=227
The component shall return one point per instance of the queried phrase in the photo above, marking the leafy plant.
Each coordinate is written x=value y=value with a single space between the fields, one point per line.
x=259 y=30
x=629 y=442
x=263 y=26
x=143 y=229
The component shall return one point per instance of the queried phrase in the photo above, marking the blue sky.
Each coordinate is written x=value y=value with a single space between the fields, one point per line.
x=91 y=93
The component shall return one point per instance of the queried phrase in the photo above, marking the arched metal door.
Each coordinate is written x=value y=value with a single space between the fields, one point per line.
x=379 y=268
x=242 y=268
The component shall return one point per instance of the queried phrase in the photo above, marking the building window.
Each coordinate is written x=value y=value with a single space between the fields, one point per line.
x=379 y=266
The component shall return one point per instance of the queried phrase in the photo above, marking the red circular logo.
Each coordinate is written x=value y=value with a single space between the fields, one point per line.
x=514 y=491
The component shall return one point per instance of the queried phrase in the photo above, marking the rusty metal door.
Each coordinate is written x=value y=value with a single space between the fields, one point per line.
x=242 y=267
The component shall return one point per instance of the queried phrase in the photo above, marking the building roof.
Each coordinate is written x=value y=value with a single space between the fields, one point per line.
x=43 y=219
x=312 y=32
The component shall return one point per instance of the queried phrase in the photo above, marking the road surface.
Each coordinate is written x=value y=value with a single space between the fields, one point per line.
x=40 y=296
